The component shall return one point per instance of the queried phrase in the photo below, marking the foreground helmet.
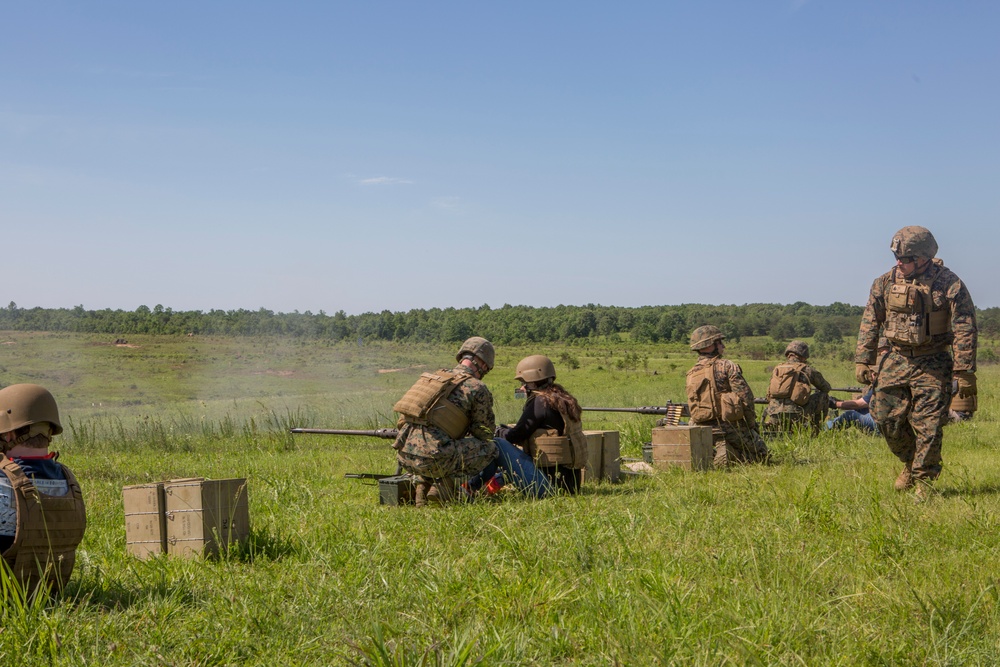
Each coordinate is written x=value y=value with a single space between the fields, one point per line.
x=26 y=404
x=914 y=241
x=480 y=347
x=799 y=348
x=704 y=336
x=536 y=368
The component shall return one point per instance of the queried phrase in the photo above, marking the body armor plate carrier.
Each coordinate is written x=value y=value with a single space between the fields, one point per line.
x=49 y=529
x=427 y=402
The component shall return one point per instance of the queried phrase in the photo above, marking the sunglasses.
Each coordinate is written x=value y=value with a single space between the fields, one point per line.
x=906 y=259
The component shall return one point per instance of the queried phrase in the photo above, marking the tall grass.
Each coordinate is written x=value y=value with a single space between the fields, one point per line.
x=814 y=560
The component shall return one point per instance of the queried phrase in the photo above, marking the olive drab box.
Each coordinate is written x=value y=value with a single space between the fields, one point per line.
x=145 y=520
x=396 y=490
x=688 y=447
x=206 y=516
x=603 y=456
x=426 y=403
x=789 y=381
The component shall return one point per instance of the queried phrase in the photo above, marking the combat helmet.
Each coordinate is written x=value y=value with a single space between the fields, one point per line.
x=27 y=404
x=704 y=336
x=799 y=348
x=914 y=241
x=536 y=368
x=481 y=348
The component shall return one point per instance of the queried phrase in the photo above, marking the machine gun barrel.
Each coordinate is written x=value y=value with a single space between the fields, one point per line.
x=849 y=390
x=669 y=409
x=384 y=433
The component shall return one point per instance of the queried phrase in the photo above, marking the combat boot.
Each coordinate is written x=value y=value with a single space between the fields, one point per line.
x=441 y=492
x=423 y=488
x=905 y=479
x=923 y=491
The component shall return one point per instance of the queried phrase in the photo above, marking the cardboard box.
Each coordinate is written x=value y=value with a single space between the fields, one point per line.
x=603 y=456
x=688 y=447
x=205 y=516
x=145 y=520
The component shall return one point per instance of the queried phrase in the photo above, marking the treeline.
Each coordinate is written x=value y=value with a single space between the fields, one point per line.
x=507 y=325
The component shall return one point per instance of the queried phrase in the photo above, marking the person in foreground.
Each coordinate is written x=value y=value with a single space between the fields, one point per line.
x=719 y=396
x=929 y=320
x=42 y=515
x=446 y=426
x=549 y=429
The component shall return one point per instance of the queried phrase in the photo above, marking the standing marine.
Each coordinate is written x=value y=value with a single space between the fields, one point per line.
x=927 y=315
x=42 y=515
x=719 y=396
x=792 y=402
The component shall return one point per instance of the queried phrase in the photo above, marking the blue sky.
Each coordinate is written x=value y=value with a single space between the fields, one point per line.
x=394 y=155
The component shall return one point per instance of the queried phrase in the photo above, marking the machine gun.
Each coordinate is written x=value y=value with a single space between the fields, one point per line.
x=384 y=433
x=672 y=412
x=396 y=489
x=762 y=400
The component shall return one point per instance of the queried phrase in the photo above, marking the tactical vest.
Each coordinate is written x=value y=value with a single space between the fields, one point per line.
x=910 y=319
x=548 y=448
x=705 y=402
x=789 y=382
x=427 y=402
x=49 y=529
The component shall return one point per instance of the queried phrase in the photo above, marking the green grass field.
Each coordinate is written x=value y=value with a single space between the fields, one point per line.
x=811 y=561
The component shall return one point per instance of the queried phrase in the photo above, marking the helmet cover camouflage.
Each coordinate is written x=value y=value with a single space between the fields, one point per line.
x=704 y=336
x=481 y=348
x=914 y=241
x=26 y=404
x=535 y=368
x=799 y=348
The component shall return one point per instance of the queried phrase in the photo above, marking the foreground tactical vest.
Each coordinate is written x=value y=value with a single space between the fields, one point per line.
x=911 y=320
x=427 y=402
x=548 y=448
x=705 y=402
x=789 y=382
x=49 y=529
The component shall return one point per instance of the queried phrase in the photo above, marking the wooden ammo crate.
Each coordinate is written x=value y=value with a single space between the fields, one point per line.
x=689 y=447
x=205 y=516
x=603 y=456
x=145 y=520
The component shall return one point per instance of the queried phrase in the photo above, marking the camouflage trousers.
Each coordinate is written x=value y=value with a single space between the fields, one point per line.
x=784 y=416
x=737 y=443
x=910 y=406
x=427 y=455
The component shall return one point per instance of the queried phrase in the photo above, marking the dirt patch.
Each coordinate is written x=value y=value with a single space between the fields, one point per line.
x=9 y=342
x=396 y=370
x=281 y=374
x=126 y=345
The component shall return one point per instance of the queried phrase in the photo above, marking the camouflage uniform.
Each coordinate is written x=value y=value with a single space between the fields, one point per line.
x=429 y=452
x=735 y=442
x=914 y=384
x=783 y=414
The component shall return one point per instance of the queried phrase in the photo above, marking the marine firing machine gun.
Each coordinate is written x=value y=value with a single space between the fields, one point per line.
x=397 y=489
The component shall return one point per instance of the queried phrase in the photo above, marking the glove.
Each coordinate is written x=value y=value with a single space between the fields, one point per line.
x=833 y=403
x=965 y=384
x=862 y=373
